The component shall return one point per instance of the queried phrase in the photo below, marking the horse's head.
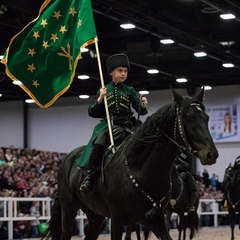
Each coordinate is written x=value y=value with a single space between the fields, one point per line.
x=191 y=128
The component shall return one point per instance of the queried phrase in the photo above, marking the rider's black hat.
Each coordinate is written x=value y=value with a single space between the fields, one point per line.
x=117 y=60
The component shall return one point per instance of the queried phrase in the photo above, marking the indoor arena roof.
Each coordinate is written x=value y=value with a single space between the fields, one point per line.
x=193 y=25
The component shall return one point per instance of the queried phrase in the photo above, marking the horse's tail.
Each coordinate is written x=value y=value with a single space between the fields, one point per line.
x=194 y=222
x=54 y=230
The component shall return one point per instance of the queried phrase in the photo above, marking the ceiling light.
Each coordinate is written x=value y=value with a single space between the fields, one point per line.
x=227 y=43
x=166 y=41
x=17 y=82
x=181 y=80
x=228 y=65
x=0 y=95
x=127 y=26
x=84 y=50
x=83 y=77
x=227 y=16
x=29 y=101
x=83 y=96
x=207 y=87
x=144 y=92
x=200 y=54
x=152 y=71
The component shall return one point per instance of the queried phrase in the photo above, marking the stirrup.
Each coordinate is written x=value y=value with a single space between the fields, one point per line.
x=87 y=186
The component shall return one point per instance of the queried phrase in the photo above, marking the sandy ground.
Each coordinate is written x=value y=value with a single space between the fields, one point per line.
x=206 y=233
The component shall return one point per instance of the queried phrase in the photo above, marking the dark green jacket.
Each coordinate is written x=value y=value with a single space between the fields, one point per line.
x=120 y=100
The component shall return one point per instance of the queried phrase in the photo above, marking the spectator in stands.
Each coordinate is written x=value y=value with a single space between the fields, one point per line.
x=24 y=206
x=43 y=191
x=8 y=155
x=2 y=157
x=205 y=177
x=34 y=212
x=214 y=182
x=206 y=220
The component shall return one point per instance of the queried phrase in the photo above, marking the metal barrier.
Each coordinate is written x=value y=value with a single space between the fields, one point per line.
x=10 y=209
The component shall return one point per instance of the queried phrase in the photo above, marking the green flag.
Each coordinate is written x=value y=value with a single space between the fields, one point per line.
x=44 y=55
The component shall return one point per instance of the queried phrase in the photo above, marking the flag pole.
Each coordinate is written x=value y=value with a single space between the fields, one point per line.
x=105 y=97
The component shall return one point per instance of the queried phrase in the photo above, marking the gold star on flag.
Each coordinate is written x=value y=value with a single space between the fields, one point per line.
x=57 y=15
x=31 y=51
x=31 y=67
x=72 y=11
x=36 y=35
x=54 y=37
x=44 y=22
x=63 y=29
x=35 y=83
x=45 y=44
x=79 y=22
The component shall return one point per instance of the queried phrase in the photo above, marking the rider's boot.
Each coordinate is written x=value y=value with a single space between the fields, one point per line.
x=95 y=157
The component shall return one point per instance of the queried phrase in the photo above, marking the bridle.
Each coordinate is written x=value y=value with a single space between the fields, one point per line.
x=179 y=126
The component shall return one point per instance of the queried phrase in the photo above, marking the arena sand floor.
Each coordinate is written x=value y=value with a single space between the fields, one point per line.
x=206 y=233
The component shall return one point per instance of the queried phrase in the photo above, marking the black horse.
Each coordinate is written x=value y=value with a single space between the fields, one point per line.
x=179 y=203
x=135 y=186
x=231 y=185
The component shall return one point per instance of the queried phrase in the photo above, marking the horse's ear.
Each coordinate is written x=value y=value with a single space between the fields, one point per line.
x=200 y=95
x=176 y=97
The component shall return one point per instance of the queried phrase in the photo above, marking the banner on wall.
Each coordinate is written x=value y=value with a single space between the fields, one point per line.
x=223 y=123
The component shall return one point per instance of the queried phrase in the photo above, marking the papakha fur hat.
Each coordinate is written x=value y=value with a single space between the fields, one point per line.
x=117 y=60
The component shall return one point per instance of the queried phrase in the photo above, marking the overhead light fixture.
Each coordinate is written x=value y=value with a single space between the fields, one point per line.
x=200 y=54
x=166 y=41
x=152 y=71
x=228 y=65
x=17 y=82
x=181 y=80
x=29 y=101
x=83 y=77
x=143 y=92
x=84 y=50
x=227 y=16
x=227 y=43
x=83 y=96
x=0 y=95
x=207 y=88
x=127 y=26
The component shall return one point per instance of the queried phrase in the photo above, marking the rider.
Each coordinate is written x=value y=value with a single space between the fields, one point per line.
x=119 y=98
x=183 y=169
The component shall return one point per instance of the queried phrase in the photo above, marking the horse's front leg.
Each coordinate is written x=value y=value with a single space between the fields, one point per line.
x=116 y=229
x=158 y=226
x=232 y=223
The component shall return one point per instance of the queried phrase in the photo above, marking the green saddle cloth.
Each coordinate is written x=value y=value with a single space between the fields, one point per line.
x=83 y=159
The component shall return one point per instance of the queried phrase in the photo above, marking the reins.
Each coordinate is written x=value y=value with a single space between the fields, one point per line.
x=179 y=123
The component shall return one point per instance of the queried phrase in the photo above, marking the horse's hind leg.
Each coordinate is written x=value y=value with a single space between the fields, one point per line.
x=69 y=212
x=94 y=226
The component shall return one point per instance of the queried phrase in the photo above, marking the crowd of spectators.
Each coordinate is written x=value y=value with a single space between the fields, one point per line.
x=211 y=189
x=27 y=173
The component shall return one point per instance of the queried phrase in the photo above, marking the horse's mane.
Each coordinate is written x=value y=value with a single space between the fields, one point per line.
x=152 y=128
